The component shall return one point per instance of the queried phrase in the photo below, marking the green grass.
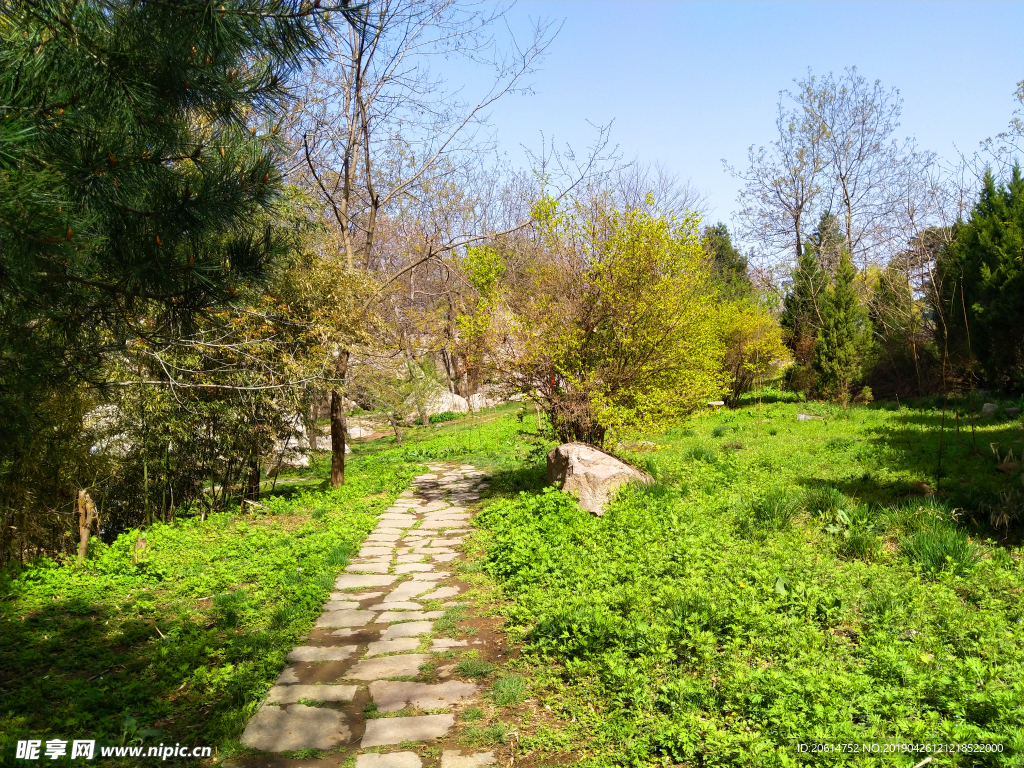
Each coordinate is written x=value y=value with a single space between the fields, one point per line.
x=508 y=690
x=474 y=668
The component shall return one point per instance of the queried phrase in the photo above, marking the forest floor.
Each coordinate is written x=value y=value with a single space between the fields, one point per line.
x=788 y=581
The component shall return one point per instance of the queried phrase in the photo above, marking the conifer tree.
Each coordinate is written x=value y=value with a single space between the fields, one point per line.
x=981 y=285
x=841 y=336
x=801 y=316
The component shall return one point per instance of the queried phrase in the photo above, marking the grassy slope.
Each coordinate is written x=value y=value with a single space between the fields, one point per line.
x=714 y=620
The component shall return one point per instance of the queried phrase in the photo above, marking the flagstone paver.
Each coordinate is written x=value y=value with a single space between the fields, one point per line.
x=395 y=730
x=409 y=629
x=315 y=653
x=276 y=729
x=291 y=694
x=380 y=667
x=398 y=645
x=389 y=760
x=376 y=622
x=452 y=758
x=352 y=580
x=391 y=696
x=345 y=618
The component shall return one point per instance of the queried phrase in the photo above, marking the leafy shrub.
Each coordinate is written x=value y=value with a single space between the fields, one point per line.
x=940 y=548
x=440 y=418
x=508 y=690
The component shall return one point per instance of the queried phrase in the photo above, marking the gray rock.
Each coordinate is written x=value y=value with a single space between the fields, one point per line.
x=452 y=758
x=389 y=760
x=378 y=668
x=402 y=605
x=410 y=629
x=807 y=417
x=274 y=729
x=374 y=566
x=393 y=696
x=319 y=653
x=287 y=676
x=395 y=730
x=988 y=409
x=375 y=551
x=590 y=474
x=1011 y=412
x=407 y=590
x=446 y=643
x=290 y=694
x=341 y=605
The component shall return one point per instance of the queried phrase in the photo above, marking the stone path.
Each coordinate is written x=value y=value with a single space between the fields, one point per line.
x=373 y=636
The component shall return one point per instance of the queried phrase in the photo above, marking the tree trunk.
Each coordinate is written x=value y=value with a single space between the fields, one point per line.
x=253 y=493
x=86 y=513
x=338 y=426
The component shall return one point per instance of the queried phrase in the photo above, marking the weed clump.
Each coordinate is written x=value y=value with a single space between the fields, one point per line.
x=508 y=690
x=474 y=668
x=939 y=549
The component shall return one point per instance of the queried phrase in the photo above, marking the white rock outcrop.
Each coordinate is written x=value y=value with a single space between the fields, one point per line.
x=444 y=401
x=481 y=400
x=590 y=474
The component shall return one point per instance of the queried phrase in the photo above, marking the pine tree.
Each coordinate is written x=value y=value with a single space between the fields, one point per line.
x=841 y=337
x=140 y=150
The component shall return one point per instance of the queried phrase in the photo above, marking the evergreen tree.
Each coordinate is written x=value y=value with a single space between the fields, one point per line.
x=827 y=242
x=728 y=264
x=841 y=336
x=981 y=282
x=801 y=316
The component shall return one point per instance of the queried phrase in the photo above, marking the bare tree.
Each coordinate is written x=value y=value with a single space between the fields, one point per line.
x=782 y=185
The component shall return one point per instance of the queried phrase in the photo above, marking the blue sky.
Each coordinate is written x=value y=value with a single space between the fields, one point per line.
x=691 y=83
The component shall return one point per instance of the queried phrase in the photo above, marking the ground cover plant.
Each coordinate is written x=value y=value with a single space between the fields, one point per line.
x=801 y=588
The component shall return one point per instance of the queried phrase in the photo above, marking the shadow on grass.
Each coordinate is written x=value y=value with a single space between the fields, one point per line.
x=83 y=665
x=967 y=479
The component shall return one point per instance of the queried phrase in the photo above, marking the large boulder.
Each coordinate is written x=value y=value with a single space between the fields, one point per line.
x=590 y=474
